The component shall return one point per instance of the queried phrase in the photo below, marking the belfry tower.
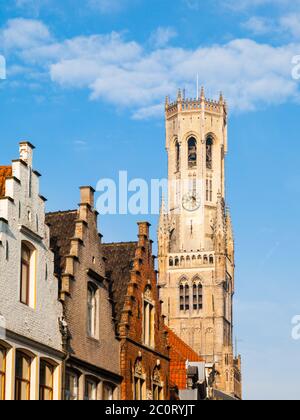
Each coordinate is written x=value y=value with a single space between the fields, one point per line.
x=196 y=246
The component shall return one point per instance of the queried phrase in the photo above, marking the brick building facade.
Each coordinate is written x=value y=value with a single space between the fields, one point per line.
x=93 y=366
x=144 y=351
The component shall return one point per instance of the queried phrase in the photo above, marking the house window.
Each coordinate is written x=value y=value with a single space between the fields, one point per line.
x=157 y=386
x=209 y=153
x=72 y=383
x=192 y=153
x=90 y=390
x=108 y=392
x=149 y=318
x=2 y=373
x=22 y=385
x=92 y=311
x=27 y=273
x=46 y=381
x=184 y=297
x=139 y=381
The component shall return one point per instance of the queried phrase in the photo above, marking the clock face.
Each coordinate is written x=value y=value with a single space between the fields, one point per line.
x=191 y=202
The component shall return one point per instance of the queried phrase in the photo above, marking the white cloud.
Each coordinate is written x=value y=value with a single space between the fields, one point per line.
x=247 y=4
x=125 y=74
x=284 y=25
x=24 y=33
x=291 y=23
x=162 y=36
x=259 y=25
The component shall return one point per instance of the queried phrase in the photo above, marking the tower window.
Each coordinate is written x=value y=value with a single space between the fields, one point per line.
x=209 y=153
x=192 y=153
x=197 y=297
x=177 y=149
x=184 y=297
x=209 y=190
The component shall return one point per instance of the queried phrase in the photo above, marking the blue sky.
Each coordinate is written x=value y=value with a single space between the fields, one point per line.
x=86 y=85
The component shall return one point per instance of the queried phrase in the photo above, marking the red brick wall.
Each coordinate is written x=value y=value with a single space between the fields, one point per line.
x=131 y=327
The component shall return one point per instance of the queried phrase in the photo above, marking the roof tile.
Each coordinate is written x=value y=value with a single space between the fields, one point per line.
x=5 y=171
x=119 y=259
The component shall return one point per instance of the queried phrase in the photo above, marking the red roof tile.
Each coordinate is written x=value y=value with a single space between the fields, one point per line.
x=5 y=171
x=180 y=353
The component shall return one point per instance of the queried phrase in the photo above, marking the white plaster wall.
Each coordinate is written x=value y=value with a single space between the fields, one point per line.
x=40 y=322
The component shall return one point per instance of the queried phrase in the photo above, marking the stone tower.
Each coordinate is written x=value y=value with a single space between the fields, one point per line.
x=196 y=246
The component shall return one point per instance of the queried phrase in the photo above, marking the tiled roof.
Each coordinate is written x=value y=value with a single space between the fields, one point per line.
x=5 y=171
x=62 y=230
x=180 y=353
x=119 y=258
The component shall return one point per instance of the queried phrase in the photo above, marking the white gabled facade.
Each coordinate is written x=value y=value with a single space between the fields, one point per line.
x=31 y=328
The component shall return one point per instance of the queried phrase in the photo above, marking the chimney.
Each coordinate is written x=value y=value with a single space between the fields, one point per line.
x=144 y=229
x=26 y=152
x=87 y=196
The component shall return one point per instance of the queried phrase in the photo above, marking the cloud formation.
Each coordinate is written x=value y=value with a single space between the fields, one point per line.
x=128 y=75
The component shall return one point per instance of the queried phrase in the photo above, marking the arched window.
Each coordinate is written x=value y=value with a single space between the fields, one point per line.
x=2 y=372
x=184 y=298
x=46 y=381
x=139 y=381
x=157 y=387
x=192 y=153
x=177 y=151
x=92 y=310
x=23 y=374
x=197 y=296
x=149 y=318
x=209 y=152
